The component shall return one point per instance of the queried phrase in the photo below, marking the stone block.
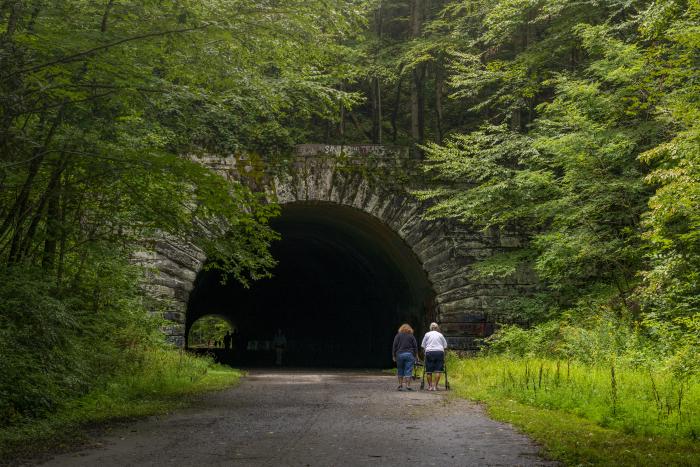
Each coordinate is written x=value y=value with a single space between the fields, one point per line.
x=462 y=343
x=374 y=202
x=171 y=282
x=173 y=269
x=430 y=229
x=482 y=329
x=469 y=303
x=433 y=249
x=461 y=316
x=283 y=189
x=159 y=291
x=441 y=262
x=173 y=329
x=174 y=317
x=362 y=192
x=473 y=253
x=459 y=293
x=347 y=196
x=510 y=241
x=409 y=210
x=187 y=256
x=385 y=210
x=457 y=280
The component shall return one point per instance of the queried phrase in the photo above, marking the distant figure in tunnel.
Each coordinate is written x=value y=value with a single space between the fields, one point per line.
x=404 y=353
x=434 y=344
x=280 y=344
x=227 y=341
x=237 y=343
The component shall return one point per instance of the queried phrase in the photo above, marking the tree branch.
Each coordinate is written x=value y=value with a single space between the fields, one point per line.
x=84 y=53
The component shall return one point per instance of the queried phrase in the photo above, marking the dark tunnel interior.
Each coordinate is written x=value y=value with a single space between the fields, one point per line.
x=343 y=285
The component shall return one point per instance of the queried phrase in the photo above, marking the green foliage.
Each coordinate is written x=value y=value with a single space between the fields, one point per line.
x=594 y=155
x=590 y=338
x=628 y=399
x=486 y=180
x=56 y=348
x=672 y=284
x=154 y=381
x=572 y=434
x=105 y=108
x=208 y=329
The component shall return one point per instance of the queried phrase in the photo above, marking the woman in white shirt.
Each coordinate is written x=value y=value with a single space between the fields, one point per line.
x=434 y=345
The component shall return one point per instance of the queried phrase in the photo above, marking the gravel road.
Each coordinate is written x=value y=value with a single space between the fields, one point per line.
x=315 y=418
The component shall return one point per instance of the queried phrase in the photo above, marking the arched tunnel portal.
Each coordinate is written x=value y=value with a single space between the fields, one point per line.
x=343 y=284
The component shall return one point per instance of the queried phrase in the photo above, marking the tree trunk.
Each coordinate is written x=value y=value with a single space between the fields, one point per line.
x=395 y=111
x=49 y=193
x=63 y=235
x=16 y=212
x=13 y=20
x=341 y=123
x=439 y=91
x=418 y=74
x=376 y=98
x=418 y=105
x=105 y=16
x=375 y=84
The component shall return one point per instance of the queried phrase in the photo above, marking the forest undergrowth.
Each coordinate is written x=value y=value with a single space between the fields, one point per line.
x=603 y=394
x=155 y=381
x=582 y=415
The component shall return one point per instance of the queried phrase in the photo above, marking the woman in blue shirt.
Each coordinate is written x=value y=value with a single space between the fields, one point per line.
x=404 y=353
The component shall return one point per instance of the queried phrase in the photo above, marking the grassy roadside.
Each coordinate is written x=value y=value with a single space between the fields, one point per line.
x=164 y=380
x=572 y=438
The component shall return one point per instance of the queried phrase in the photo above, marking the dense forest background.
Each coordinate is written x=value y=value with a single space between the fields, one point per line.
x=574 y=121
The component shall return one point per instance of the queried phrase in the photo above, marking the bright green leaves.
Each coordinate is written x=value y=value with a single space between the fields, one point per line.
x=486 y=181
x=105 y=107
x=672 y=285
x=575 y=174
x=111 y=98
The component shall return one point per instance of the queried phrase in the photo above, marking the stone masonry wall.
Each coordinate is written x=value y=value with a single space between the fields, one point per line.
x=373 y=180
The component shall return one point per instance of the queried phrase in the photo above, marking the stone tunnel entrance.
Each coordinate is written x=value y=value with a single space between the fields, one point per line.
x=343 y=284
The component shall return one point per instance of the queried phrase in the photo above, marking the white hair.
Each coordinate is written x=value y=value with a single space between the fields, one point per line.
x=434 y=326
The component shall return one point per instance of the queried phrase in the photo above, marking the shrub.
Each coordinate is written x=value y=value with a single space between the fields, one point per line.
x=59 y=344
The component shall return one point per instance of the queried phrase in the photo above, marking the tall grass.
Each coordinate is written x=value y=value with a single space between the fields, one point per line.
x=155 y=380
x=633 y=400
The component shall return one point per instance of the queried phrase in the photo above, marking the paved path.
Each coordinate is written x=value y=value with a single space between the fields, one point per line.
x=277 y=418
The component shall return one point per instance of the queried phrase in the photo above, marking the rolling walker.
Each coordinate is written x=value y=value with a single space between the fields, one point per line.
x=422 y=383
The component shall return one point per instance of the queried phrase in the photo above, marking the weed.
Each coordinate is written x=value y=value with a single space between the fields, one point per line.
x=624 y=407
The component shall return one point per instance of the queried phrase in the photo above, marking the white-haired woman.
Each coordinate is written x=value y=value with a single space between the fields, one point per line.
x=434 y=344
